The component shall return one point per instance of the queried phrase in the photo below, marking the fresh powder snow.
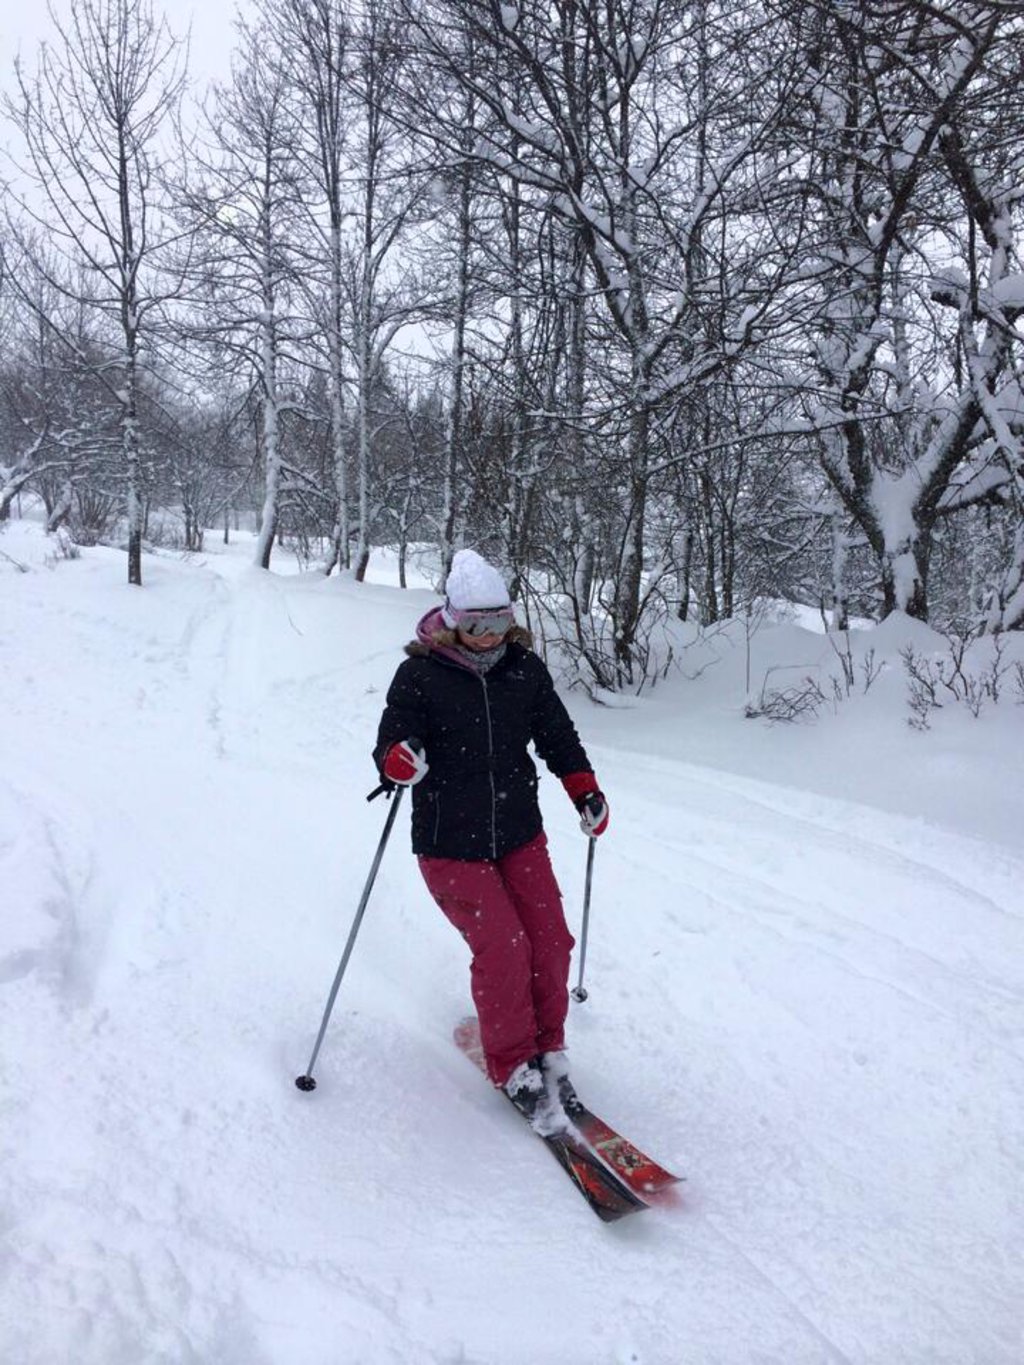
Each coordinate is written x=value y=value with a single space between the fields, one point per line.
x=806 y=978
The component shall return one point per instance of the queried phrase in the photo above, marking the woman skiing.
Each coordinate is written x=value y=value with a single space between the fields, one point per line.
x=460 y=712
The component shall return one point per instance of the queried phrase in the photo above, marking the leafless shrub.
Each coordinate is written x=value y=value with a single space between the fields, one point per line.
x=94 y=516
x=922 y=689
x=870 y=669
x=805 y=699
x=802 y=701
x=165 y=534
x=948 y=677
x=844 y=654
x=998 y=668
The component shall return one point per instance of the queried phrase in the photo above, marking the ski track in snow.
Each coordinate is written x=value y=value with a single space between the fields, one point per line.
x=814 y=1010
x=825 y=930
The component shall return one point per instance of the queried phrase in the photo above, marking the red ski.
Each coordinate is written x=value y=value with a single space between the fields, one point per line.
x=644 y=1176
x=608 y=1196
x=634 y=1168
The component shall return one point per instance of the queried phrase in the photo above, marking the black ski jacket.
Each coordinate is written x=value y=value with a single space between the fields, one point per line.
x=479 y=799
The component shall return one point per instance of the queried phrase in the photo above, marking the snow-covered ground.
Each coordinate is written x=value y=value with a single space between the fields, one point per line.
x=807 y=992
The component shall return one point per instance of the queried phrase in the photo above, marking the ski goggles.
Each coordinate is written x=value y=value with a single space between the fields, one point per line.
x=484 y=620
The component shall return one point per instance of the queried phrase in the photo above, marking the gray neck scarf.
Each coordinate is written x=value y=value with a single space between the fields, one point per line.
x=481 y=660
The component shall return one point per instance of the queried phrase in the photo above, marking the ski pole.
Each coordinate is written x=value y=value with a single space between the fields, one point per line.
x=306 y=1081
x=579 y=992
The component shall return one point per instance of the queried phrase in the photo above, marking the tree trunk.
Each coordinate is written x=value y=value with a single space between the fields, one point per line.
x=904 y=573
x=686 y=576
x=710 y=610
x=453 y=442
x=271 y=453
x=268 y=366
x=130 y=448
x=364 y=380
x=575 y=400
x=840 y=610
x=342 y=530
x=629 y=577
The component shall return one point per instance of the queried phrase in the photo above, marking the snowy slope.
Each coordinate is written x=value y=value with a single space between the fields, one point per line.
x=808 y=996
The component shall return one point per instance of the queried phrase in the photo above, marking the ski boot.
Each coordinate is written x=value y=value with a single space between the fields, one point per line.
x=555 y=1069
x=528 y=1092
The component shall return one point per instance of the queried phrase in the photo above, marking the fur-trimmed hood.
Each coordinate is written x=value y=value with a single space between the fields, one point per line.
x=433 y=636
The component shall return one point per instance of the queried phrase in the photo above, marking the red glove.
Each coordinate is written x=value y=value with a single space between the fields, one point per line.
x=405 y=764
x=589 y=800
x=593 y=811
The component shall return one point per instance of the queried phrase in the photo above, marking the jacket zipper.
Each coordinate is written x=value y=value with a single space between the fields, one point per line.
x=490 y=769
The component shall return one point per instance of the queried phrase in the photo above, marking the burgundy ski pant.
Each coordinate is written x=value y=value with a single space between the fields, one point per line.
x=510 y=913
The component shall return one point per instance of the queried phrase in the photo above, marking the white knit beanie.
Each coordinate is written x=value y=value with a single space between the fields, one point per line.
x=472 y=585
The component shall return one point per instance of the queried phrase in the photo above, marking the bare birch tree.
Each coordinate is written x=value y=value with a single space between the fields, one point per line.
x=97 y=120
x=243 y=210
x=384 y=290
x=311 y=50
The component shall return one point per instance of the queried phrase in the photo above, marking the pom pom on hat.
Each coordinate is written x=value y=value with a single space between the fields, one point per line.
x=472 y=585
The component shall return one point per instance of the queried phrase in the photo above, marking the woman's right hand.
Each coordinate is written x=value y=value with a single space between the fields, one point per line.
x=405 y=763
x=593 y=809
